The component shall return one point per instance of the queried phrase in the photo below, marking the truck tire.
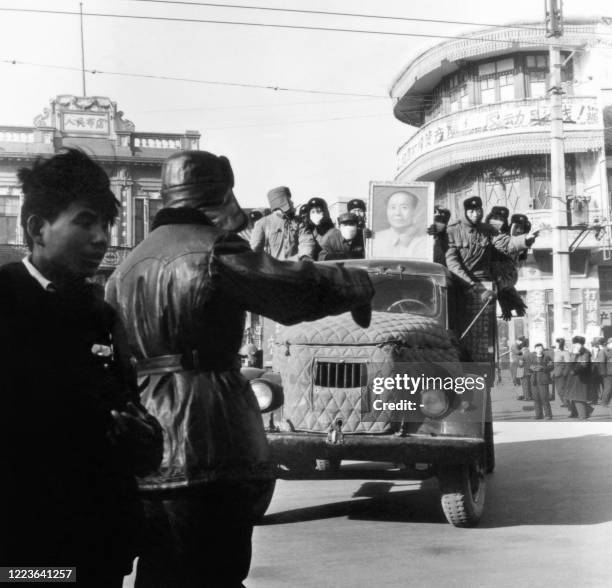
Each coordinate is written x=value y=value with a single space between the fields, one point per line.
x=489 y=457
x=328 y=465
x=463 y=494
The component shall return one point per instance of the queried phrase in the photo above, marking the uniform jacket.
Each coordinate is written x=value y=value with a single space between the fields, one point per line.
x=184 y=290
x=334 y=246
x=562 y=360
x=606 y=365
x=472 y=250
x=440 y=247
x=579 y=377
x=540 y=368
x=282 y=238
x=68 y=494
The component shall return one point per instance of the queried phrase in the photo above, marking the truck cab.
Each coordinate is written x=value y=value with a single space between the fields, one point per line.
x=403 y=391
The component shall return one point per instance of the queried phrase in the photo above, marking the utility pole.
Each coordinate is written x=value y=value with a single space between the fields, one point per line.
x=560 y=249
x=82 y=50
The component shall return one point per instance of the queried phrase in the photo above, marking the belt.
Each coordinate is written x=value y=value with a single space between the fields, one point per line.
x=182 y=362
x=168 y=364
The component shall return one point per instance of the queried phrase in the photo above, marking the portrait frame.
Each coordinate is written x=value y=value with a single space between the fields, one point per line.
x=379 y=194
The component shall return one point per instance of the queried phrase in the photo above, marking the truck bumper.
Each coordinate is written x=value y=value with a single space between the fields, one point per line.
x=291 y=448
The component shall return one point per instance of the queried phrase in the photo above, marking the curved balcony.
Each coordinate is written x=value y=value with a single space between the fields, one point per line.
x=426 y=71
x=517 y=127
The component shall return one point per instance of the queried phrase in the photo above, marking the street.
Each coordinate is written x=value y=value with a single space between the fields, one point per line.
x=547 y=520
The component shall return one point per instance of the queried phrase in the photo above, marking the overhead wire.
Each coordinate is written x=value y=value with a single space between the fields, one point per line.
x=330 y=13
x=510 y=42
x=195 y=80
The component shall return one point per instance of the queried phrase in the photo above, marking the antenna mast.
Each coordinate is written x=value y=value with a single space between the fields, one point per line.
x=82 y=50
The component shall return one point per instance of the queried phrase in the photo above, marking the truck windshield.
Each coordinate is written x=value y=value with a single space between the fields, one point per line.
x=408 y=294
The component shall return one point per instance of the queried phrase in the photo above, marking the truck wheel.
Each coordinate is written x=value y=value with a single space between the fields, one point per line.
x=328 y=465
x=262 y=502
x=489 y=458
x=463 y=494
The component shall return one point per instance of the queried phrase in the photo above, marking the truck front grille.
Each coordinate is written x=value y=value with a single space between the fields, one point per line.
x=329 y=374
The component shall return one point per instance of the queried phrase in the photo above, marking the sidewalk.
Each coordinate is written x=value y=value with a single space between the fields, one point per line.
x=507 y=408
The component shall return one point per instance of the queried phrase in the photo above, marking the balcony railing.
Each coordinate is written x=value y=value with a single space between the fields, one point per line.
x=17 y=135
x=580 y=113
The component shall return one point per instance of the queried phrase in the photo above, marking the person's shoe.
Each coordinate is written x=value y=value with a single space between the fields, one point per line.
x=520 y=398
x=537 y=418
x=572 y=416
x=549 y=417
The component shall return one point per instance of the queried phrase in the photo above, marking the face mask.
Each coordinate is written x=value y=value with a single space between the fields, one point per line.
x=348 y=231
x=609 y=346
x=539 y=352
x=316 y=217
x=576 y=348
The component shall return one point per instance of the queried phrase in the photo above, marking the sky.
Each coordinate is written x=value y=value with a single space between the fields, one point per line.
x=320 y=142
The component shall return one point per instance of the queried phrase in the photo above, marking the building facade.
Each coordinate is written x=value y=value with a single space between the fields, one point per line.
x=131 y=159
x=482 y=117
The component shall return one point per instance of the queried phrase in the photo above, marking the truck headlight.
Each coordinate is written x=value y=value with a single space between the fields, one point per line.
x=269 y=395
x=434 y=403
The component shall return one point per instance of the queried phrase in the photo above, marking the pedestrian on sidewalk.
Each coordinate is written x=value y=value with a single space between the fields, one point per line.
x=606 y=371
x=560 y=371
x=597 y=357
x=524 y=373
x=579 y=379
x=540 y=366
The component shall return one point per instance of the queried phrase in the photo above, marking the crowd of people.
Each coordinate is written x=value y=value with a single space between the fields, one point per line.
x=581 y=378
x=309 y=233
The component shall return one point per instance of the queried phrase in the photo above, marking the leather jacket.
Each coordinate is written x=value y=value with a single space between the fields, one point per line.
x=184 y=292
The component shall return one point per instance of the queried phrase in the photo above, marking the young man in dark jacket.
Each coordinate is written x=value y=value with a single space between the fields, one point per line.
x=183 y=293
x=73 y=432
x=345 y=242
x=579 y=379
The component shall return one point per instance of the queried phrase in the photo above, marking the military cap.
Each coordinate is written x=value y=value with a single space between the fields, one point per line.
x=472 y=202
x=578 y=339
x=316 y=203
x=355 y=203
x=500 y=210
x=280 y=198
x=346 y=218
x=442 y=215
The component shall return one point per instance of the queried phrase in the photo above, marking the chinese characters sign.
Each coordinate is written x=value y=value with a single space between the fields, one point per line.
x=86 y=123
x=493 y=119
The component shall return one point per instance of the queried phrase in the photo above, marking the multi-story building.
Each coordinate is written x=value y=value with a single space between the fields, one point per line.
x=132 y=160
x=481 y=107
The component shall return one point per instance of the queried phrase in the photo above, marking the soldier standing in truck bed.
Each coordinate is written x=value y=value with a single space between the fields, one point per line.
x=472 y=247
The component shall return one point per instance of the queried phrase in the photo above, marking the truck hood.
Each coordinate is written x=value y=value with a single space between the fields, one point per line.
x=406 y=329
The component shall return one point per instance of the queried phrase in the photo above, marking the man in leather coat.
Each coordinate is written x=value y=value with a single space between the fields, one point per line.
x=182 y=294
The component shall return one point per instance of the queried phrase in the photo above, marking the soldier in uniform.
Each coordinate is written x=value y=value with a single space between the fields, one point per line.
x=345 y=242
x=438 y=231
x=357 y=207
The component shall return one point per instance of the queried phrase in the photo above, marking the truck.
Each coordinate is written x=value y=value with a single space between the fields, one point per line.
x=412 y=391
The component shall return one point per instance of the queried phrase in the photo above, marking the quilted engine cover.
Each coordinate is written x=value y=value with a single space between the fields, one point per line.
x=390 y=339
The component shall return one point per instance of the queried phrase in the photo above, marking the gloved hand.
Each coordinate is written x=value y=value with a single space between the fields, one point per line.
x=362 y=315
x=487 y=295
x=531 y=237
x=432 y=230
x=367 y=233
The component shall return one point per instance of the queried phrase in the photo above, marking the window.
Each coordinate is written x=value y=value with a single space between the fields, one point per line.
x=487 y=91
x=537 y=62
x=605 y=283
x=496 y=81
x=506 y=87
x=459 y=98
x=145 y=210
x=9 y=214
x=537 y=83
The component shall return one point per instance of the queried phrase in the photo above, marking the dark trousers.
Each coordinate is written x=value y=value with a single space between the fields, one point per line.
x=580 y=409
x=526 y=383
x=606 y=395
x=200 y=539
x=541 y=400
